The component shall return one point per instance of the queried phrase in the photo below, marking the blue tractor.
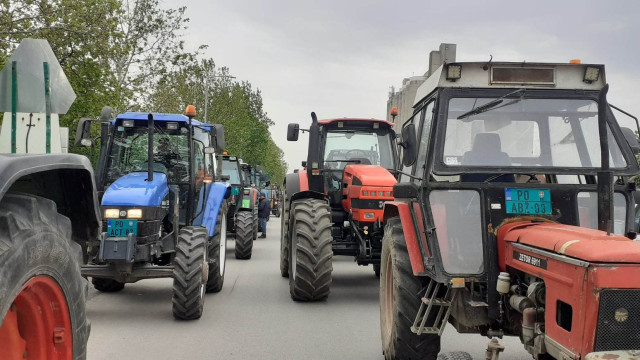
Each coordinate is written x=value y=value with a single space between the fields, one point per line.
x=163 y=209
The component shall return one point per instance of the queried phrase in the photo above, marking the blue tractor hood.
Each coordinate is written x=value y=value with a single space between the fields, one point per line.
x=134 y=190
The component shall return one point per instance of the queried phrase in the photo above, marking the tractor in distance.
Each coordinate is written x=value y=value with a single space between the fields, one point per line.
x=240 y=215
x=48 y=212
x=273 y=195
x=249 y=172
x=163 y=214
x=513 y=216
x=334 y=206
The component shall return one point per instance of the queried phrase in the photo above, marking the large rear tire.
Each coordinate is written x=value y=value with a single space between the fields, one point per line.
x=400 y=297
x=190 y=272
x=311 y=252
x=40 y=264
x=107 y=285
x=218 y=252
x=285 y=240
x=244 y=238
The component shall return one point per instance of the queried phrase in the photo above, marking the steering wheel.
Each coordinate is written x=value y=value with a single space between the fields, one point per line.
x=355 y=154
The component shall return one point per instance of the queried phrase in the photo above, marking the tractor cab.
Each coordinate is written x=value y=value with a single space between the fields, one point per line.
x=479 y=156
x=515 y=211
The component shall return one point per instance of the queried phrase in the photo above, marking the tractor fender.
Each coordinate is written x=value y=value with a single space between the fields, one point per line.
x=401 y=210
x=307 y=195
x=216 y=193
x=66 y=179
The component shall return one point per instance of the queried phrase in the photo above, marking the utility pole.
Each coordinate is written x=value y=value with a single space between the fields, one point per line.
x=206 y=89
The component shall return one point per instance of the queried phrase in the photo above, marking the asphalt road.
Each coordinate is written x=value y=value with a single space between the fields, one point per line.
x=253 y=317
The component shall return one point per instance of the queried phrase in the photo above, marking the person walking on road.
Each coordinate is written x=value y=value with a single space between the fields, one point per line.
x=263 y=214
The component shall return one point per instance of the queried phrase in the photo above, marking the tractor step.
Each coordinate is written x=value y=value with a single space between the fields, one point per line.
x=430 y=303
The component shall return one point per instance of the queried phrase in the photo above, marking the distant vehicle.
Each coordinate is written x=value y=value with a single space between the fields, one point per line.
x=243 y=210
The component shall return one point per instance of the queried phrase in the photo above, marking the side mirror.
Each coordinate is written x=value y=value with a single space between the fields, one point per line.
x=293 y=130
x=83 y=133
x=217 y=130
x=209 y=150
x=632 y=139
x=409 y=145
x=225 y=178
x=304 y=164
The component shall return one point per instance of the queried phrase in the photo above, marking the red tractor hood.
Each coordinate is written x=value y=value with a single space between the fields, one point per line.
x=577 y=242
x=371 y=175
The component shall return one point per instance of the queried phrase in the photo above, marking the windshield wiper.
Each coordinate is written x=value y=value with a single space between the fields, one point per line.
x=493 y=104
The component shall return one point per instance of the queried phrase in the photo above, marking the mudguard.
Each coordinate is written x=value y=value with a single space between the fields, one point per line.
x=401 y=209
x=133 y=189
x=216 y=194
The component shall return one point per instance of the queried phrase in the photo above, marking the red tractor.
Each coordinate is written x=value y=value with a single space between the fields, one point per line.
x=334 y=206
x=513 y=216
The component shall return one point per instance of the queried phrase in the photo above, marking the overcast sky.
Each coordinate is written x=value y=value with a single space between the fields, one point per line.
x=339 y=58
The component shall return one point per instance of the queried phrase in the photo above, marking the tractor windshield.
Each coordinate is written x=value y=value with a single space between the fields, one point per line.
x=231 y=168
x=128 y=153
x=358 y=147
x=547 y=133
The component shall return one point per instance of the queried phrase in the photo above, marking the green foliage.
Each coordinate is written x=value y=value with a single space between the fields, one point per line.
x=130 y=55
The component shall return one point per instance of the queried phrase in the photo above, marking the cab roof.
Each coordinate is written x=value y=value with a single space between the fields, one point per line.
x=508 y=74
x=361 y=120
x=160 y=117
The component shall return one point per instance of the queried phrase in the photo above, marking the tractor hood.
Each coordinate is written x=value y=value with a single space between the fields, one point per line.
x=369 y=175
x=133 y=189
x=577 y=242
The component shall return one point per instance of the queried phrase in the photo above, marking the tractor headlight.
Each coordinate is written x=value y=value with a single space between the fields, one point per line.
x=369 y=215
x=111 y=213
x=134 y=213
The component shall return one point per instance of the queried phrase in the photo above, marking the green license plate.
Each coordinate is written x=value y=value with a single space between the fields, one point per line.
x=528 y=201
x=122 y=228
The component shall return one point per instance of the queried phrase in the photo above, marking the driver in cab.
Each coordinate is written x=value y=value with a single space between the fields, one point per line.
x=164 y=155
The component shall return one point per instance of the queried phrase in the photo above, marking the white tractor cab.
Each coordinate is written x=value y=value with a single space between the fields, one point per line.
x=491 y=146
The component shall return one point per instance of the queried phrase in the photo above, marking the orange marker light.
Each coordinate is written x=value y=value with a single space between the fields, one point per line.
x=190 y=111
x=575 y=61
x=394 y=111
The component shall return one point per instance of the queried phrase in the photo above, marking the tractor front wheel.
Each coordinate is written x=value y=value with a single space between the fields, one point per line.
x=400 y=297
x=218 y=252
x=42 y=295
x=190 y=272
x=310 y=264
x=244 y=237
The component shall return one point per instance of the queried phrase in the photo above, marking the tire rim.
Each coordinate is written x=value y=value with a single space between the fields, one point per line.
x=37 y=325
x=223 y=243
x=387 y=305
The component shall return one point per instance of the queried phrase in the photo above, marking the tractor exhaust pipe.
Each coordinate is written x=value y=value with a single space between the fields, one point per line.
x=314 y=159
x=605 y=176
x=150 y=148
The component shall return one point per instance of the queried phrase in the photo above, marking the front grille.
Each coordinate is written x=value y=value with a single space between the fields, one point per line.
x=618 y=320
x=367 y=204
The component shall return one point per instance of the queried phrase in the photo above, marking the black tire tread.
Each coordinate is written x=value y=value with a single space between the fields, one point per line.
x=188 y=273
x=314 y=253
x=23 y=218
x=284 y=242
x=408 y=291
x=244 y=237
x=215 y=279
